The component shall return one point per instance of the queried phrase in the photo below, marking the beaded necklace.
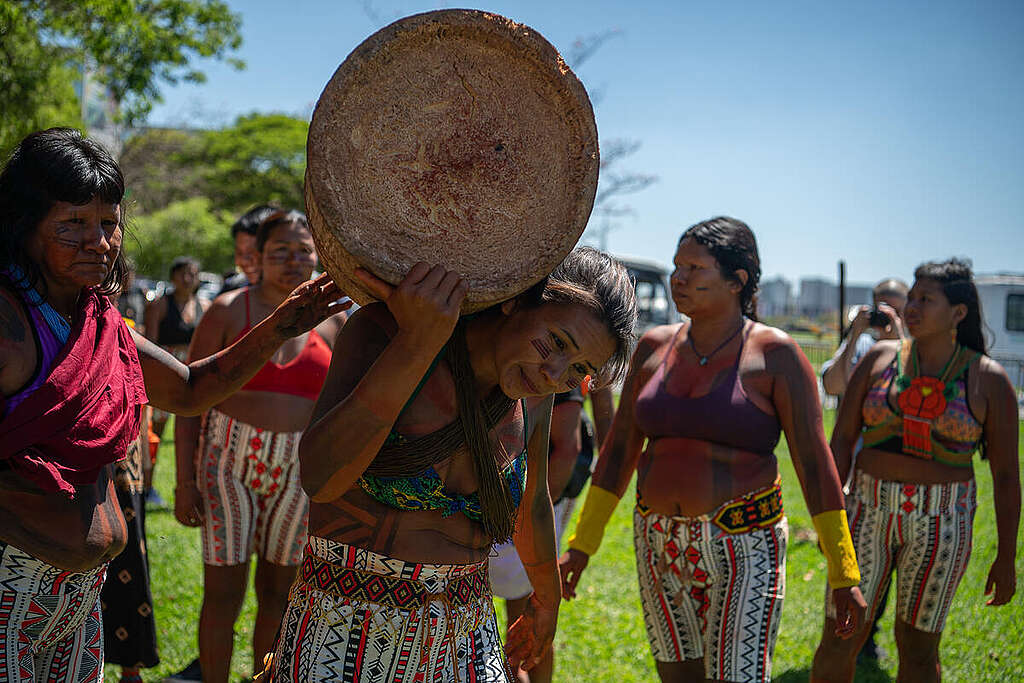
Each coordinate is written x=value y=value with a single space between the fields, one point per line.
x=922 y=399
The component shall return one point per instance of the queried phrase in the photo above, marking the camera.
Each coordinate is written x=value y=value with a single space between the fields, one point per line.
x=878 y=318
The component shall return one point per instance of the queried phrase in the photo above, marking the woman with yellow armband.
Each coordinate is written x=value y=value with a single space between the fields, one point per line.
x=923 y=406
x=710 y=398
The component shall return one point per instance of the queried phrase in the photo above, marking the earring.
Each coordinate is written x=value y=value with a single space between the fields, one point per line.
x=952 y=333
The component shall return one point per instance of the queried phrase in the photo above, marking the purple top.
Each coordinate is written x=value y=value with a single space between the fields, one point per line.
x=50 y=336
x=723 y=416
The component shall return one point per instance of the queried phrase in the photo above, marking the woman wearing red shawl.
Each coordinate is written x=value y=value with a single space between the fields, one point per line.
x=73 y=378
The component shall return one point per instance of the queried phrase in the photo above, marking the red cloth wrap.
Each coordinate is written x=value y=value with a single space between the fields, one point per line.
x=85 y=414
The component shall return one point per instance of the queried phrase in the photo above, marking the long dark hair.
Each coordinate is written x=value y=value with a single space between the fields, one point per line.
x=734 y=247
x=586 y=277
x=957 y=282
x=50 y=166
x=596 y=281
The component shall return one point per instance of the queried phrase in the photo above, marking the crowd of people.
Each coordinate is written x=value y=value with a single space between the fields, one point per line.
x=396 y=469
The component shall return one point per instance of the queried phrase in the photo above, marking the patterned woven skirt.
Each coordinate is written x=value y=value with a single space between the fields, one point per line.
x=356 y=616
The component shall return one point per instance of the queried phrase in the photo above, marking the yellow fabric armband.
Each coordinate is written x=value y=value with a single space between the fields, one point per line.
x=597 y=510
x=834 y=538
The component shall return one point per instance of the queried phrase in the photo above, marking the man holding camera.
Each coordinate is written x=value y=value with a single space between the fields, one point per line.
x=883 y=320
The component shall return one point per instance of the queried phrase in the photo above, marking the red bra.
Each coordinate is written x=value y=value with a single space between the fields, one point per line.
x=303 y=375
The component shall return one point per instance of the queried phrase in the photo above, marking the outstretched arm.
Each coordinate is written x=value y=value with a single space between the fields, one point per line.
x=531 y=635
x=849 y=420
x=191 y=389
x=795 y=397
x=1001 y=427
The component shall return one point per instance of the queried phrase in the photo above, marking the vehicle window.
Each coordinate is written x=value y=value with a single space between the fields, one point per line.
x=1015 y=312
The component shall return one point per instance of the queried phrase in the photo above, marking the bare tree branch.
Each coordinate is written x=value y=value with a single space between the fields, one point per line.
x=584 y=47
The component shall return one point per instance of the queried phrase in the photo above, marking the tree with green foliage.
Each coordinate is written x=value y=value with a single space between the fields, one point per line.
x=130 y=47
x=259 y=159
x=154 y=176
x=187 y=228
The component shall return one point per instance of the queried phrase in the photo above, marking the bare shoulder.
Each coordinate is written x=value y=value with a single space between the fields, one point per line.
x=768 y=337
x=659 y=336
x=231 y=298
x=882 y=351
x=16 y=340
x=993 y=375
x=226 y=313
x=370 y=325
x=14 y=323
x=655 y=342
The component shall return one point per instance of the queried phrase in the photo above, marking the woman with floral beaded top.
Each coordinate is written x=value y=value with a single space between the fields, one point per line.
x=238 y=476
x=73 y=378
x=710 y=397
x=415 y=461
x=923 y=407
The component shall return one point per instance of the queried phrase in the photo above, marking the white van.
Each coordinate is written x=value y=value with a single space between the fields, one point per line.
x=1002 y=304
x=653 y=294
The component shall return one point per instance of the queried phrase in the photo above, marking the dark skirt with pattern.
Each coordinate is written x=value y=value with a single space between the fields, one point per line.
x=129 y=627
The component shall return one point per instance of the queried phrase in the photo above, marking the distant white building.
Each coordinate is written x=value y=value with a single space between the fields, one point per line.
x=859 y=295
x=775 y=297
x=817 y=296
x=99 y=112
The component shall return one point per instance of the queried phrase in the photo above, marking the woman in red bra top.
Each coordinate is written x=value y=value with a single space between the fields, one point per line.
x=709 y=398
x=238 y=474
x=923 y=407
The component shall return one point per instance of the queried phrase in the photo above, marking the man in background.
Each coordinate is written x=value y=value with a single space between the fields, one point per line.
x=247 y=256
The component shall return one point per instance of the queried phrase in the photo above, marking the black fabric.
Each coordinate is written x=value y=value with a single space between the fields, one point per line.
x=129 y=626
x=583 y=468
x=575 y=395
x=173 y=330
x=233 y=281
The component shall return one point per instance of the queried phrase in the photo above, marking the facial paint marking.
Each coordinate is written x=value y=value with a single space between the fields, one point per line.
x=542 y=348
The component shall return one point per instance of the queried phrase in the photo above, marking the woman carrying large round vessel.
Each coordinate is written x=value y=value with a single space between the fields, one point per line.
x=923 y=407
x=415 y=462
x=710 y=398
x=241 y=473
x=73 y=378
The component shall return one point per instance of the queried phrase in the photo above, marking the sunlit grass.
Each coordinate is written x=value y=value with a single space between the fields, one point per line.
x=601 y=635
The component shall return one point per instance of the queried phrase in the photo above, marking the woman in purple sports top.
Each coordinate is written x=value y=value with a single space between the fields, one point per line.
x=709 y=397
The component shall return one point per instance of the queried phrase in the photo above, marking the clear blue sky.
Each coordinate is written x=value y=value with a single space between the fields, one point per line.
x=883 y=133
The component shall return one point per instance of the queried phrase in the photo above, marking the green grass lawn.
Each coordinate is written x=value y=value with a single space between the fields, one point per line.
x=601 y=634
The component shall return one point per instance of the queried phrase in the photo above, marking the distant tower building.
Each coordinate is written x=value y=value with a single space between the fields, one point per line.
x=858 y=295
x=817 y=296
x=99 y=112
x=775 y=297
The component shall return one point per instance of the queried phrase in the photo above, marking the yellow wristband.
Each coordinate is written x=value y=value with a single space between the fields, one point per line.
x=834 y=537
x=597 y=510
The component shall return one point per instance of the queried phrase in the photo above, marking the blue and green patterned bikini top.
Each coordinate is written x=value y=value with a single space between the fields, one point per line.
x=427 y=491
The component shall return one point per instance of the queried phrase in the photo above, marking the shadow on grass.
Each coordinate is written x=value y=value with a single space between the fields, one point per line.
x=867 y=672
